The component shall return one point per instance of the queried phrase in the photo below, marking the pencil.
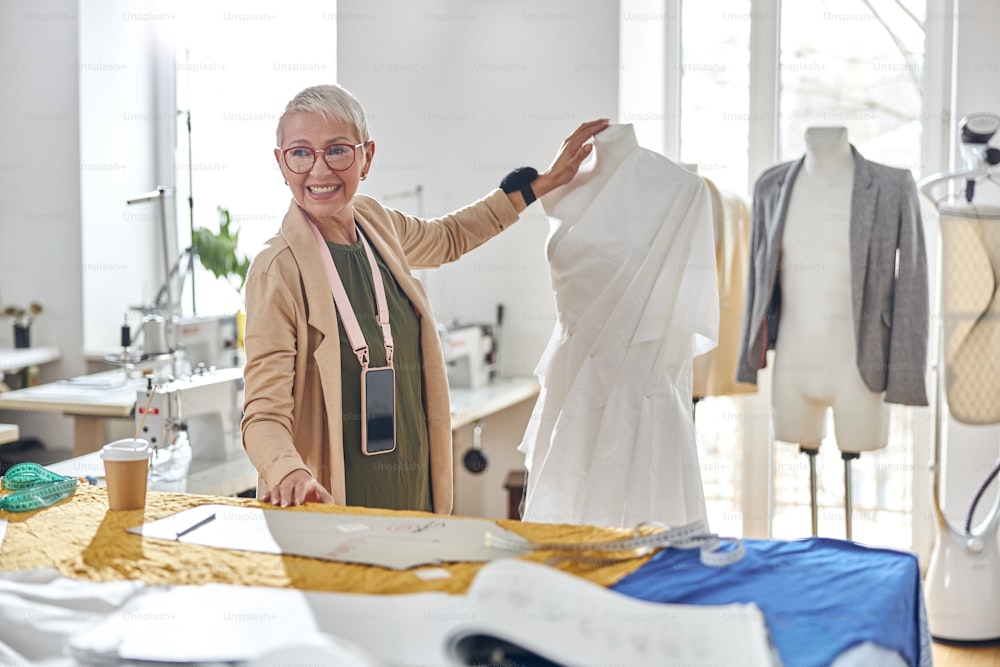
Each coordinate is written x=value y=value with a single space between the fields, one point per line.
x=207 y=519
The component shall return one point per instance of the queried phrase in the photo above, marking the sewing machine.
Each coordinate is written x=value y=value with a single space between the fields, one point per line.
x=208 y=340
x=206 y=406
x=201 y=341
x=469 y=355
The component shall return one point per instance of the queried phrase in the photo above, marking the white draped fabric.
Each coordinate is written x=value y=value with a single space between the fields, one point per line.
x=632 y=260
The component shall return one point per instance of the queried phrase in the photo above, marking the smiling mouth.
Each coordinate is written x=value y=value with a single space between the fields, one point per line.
x=323 y=189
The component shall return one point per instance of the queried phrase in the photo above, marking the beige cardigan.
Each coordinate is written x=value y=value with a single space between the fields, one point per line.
x=292 y=407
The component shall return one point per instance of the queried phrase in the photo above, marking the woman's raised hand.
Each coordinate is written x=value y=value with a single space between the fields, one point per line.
x=571 y=155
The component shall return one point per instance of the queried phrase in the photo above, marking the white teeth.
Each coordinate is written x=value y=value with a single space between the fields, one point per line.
x=315 y=189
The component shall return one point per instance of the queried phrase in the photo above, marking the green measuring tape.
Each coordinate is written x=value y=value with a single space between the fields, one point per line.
x=34 y=487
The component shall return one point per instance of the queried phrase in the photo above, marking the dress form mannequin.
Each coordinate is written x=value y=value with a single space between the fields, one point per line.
x=815 y=355
x=611 y=440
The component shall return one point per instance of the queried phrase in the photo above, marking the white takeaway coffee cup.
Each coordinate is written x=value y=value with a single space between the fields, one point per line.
x=126 y=467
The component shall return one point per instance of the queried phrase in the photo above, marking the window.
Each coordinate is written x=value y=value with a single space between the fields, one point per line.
x=856 y=64
x=715 y=93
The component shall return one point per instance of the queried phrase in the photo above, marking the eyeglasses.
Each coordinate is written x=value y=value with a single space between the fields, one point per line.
x=300 y=159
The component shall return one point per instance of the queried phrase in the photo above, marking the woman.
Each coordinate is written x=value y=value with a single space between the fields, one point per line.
x=302 y=425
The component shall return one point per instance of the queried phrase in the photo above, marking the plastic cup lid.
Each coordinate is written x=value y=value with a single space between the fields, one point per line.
x=128 y=449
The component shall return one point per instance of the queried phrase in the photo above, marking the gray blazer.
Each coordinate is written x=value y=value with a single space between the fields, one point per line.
x=890 y=300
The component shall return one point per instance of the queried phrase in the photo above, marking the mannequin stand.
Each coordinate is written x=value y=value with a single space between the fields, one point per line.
x=811 y=452
x=848 y=510
x=813 y=503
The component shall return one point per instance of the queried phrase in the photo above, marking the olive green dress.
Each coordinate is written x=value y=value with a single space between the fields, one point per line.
x=399 y=480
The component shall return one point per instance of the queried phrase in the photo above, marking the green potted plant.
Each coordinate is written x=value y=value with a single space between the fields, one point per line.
x=218 y=252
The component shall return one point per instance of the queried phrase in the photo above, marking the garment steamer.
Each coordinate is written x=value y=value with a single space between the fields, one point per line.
x=962 y=587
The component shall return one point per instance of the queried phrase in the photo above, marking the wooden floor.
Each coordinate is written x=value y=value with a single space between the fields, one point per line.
x=946 y=655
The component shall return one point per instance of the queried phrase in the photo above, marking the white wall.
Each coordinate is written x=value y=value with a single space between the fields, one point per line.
x=40 y=237
x=458 y=94
x=121 y=51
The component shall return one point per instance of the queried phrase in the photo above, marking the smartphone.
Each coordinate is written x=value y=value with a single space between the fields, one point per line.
x=378 y=405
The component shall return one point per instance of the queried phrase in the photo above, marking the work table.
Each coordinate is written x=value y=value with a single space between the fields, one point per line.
x=8 y=433
x=14 y=359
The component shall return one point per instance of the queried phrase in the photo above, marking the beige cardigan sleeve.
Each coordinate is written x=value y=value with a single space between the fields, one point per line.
x=436 y=241
x=272 y=330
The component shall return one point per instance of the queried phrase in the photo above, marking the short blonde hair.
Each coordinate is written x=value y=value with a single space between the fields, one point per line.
x=332 y=103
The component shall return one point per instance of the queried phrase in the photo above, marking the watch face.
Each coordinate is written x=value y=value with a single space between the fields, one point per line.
x=518 y=179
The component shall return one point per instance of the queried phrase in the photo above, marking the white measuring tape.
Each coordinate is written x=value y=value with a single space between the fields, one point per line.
x=695 y=535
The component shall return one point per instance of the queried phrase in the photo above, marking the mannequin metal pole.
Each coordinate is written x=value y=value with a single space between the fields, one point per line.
x=848 y=511
x=813 y=502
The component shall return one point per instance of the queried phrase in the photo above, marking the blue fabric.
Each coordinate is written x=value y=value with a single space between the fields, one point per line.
x=819 y=596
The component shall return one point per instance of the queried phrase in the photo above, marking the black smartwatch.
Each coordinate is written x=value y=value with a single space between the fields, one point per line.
x=520 y=179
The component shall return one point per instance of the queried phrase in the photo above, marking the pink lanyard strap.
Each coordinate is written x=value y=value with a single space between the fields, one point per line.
x=343 y=303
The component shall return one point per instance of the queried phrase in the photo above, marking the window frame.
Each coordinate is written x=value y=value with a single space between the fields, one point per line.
x=757 y=501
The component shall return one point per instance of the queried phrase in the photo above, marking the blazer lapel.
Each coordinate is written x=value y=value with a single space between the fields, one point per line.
x=322 y=317
x=784 y=196
x=863 y=198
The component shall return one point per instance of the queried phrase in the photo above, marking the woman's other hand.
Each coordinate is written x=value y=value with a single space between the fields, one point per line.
x=296 y=488
x=571 y=155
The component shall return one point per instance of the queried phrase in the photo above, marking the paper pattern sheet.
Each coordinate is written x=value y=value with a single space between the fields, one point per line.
x=394 y=542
